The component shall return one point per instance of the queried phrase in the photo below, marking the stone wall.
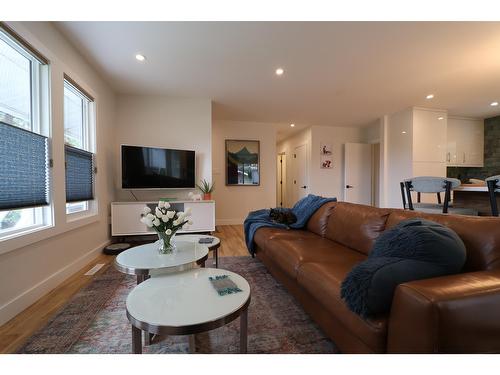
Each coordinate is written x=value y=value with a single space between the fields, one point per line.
x=491 y=154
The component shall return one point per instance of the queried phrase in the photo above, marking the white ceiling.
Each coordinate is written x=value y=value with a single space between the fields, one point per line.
x=336 y=73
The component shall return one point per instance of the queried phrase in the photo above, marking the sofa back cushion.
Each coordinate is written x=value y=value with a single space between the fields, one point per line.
x=481 y=235
x=319 y=220
x=356 y=226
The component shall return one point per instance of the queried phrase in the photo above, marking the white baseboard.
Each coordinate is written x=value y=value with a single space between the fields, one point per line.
x=229 y=221
x=30 y=296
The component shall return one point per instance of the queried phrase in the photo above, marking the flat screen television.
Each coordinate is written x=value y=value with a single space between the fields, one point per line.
x=157 y=168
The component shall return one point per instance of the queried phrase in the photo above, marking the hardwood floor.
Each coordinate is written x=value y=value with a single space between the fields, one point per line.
x=17 y=330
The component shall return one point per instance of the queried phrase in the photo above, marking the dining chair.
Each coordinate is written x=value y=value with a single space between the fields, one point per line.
x=432 y=185
x=493 y=184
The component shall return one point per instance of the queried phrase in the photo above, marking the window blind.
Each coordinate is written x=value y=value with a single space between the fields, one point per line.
x=23 y=168
x=79 y=174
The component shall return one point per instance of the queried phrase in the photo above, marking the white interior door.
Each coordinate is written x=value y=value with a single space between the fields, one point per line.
x=358 y=173
x=300 y=179
x=281 y=180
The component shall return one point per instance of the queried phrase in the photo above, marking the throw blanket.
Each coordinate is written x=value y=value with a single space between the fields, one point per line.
x=303 y=210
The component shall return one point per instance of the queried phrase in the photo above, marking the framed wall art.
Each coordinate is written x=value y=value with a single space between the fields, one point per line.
x=242 y=162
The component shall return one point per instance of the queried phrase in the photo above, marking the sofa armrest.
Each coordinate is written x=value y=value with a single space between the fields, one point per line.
x=451 y=314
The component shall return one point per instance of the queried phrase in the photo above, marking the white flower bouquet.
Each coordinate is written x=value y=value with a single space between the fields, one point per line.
x=166 y=222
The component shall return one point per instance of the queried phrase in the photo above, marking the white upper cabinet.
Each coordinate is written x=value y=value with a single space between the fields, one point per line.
x=429 y=135
x=465 y=142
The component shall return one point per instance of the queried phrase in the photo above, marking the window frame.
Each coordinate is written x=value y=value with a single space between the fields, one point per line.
x=40 y=106
x=89 y=145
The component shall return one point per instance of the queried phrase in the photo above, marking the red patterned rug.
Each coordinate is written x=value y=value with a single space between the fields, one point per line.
x=94 y=320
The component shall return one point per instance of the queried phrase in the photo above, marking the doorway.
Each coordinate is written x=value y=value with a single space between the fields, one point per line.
x=300 y=173
x=281 y=180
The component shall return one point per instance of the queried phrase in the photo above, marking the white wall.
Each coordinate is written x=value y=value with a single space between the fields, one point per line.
x=325 y=182
x=398 y=158
x=287 y=146
x=29 y=272
x=166 y=122
x=330 y=182
x=232 y=203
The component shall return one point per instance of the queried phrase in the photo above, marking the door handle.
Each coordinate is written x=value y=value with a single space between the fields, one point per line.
x=349 y=186
x=304 y=187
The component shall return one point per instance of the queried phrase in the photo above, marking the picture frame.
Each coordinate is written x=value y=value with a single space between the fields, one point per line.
x=326 y=156
x=242 y=162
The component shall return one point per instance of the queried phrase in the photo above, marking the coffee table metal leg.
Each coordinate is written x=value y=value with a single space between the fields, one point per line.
x=216 y=256
x=136 y=340
x=244 y=331
x=192 y=344
x=148 y=338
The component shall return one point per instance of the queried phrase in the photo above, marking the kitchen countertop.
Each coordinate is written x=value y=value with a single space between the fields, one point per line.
x=472 y=187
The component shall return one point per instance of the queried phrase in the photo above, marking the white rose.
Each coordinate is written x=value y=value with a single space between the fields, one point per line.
x=164 y=218
x=180 y=213
x=148 y=222
x=170 y=214
x=161 y=204
x=168 y=232
x=156 y=222
x=143 y=220
x=150 y=216
x=175 y=222
x=158 y=212
x=146 y=210
x=190 y=222
x=166 y=204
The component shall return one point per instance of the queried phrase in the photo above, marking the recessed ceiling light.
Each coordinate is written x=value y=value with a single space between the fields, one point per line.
x=403 y=132
x=279 y=71
x=440 y=118
x=430 y=96
x=140 y=57
x=494 y=104
x=292 y=125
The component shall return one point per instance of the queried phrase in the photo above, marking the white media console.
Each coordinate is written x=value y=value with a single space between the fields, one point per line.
x=125 y=217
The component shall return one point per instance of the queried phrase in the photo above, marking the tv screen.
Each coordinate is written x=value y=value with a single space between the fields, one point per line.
x=157 y=168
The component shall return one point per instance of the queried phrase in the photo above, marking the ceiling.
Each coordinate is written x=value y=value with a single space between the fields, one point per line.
x=336 y=73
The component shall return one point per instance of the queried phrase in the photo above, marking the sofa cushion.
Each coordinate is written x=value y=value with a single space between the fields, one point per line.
x=322 y=281
x=480 y=235
x=319 y=220
x=412 y=250
x=356 y=226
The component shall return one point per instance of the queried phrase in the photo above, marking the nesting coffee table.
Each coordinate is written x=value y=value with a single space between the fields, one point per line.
x=214 y=246
x=186 y=303
x=145 y=260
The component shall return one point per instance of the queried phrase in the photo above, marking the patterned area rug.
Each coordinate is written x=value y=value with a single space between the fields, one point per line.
x=94 y=320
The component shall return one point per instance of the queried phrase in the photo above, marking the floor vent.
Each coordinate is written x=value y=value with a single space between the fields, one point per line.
x=94 y=269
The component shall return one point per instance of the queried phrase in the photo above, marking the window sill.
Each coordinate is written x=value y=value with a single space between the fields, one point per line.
x=31 y=236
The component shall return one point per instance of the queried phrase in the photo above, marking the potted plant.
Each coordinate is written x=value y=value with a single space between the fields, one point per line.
x=206 y=188
x=166 y=222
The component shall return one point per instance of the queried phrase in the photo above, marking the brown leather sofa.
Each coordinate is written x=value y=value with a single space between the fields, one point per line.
x=450 y=314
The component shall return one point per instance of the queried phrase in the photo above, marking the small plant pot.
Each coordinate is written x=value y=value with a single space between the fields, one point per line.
x=207 y=196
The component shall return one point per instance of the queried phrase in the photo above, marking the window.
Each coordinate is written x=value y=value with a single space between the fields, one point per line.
x=79 y=141
x=24 y=143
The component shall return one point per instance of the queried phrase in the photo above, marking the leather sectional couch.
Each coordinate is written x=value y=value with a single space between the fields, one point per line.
x=451 y=314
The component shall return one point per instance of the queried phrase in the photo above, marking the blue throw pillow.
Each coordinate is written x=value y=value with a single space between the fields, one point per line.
x=412 y=250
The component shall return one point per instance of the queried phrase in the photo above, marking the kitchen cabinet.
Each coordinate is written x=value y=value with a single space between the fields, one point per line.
x=465 y=142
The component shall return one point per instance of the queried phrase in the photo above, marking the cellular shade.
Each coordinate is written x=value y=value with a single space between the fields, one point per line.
x=23 y=168
x=79 y=175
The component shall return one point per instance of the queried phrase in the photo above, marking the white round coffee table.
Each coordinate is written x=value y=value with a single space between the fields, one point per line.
x=186 y=303
x=213 y=246
x=145 y=260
